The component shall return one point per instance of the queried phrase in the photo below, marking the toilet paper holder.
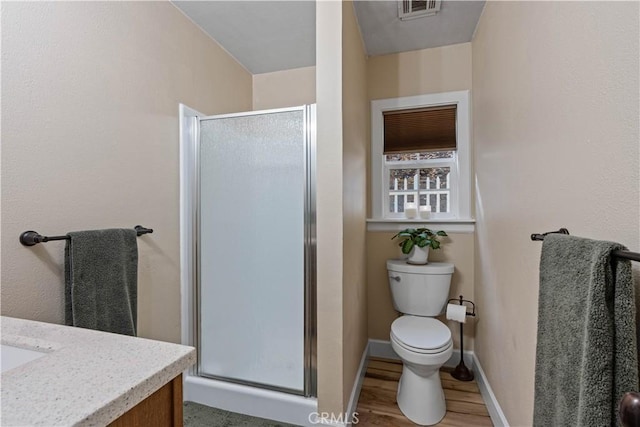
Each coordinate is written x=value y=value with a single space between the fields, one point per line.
x=461 y=372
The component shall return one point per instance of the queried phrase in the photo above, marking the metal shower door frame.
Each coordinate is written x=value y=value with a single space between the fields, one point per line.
x=310 y=367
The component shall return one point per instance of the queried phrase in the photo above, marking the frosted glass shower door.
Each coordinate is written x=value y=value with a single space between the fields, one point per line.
x=251 y=248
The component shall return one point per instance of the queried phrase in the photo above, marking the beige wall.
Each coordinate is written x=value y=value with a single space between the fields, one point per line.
x=355 y=122
x=442 y=69
x=288 y=88
x=556 y=135
x=329 y=206
x=90 y=94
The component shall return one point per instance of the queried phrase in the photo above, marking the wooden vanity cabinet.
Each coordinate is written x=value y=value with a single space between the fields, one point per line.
x=162 y=409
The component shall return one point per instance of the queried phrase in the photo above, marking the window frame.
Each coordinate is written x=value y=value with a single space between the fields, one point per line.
x=450 y=163
x=379 y=171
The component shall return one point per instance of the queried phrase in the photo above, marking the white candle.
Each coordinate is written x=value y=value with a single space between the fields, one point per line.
x=425 y=211
x=410 y=210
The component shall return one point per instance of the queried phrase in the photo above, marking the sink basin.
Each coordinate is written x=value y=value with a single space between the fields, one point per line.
x=12 y=357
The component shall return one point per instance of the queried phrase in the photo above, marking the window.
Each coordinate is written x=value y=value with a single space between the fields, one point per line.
x=420 y=154
x=423 y=178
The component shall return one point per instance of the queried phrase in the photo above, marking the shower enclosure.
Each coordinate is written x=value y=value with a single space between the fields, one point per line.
x=248 y=258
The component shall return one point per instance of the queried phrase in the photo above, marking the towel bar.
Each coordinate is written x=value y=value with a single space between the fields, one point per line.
x=633 y=256
x=629 y=406
x=30 y=238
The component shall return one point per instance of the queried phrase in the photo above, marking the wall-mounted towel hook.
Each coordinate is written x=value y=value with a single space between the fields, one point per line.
x=30 y=238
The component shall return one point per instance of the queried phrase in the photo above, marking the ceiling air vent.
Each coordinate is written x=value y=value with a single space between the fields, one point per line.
x=411 y=9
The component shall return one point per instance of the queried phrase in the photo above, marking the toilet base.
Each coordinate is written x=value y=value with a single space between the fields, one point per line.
x=421 y=398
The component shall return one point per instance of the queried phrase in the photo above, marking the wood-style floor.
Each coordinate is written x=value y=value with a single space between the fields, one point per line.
x=378 y=407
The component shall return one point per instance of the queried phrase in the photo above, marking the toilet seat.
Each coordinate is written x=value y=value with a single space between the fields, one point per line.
x=421 y=351
x=423 y=335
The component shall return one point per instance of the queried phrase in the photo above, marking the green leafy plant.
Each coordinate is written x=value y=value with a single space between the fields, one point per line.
x=420 y=237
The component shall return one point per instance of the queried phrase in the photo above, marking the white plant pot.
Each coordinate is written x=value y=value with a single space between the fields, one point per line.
x=418 y=255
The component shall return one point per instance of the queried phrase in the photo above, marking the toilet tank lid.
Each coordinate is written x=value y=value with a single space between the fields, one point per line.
x=401 y=266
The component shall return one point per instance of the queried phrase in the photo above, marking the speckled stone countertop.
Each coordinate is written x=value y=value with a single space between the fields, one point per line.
x=89 y=378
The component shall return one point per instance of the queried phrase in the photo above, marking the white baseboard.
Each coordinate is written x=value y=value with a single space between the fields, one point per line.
x=495 y=412
x=455 y=359
x=383 y=349
x=357 y=386
x=345 y=420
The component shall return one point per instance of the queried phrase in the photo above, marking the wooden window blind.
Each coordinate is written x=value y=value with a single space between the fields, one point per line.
x=423 y=129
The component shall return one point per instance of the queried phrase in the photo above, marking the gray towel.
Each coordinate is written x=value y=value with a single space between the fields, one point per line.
x=101 y=291
x=586 y=354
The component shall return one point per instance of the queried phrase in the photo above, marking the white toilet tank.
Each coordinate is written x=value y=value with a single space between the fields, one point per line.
x=420 y=290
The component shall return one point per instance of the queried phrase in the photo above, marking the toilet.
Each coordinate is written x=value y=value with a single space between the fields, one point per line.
x=420 y=292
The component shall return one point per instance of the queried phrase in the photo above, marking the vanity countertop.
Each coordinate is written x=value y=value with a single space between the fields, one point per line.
x=88 y=378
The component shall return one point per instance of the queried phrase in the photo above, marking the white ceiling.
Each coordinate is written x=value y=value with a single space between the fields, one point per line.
x=263 y=36
x=268 y=36
x=383 y=32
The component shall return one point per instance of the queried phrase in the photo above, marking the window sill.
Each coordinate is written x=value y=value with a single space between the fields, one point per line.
x=448 y=225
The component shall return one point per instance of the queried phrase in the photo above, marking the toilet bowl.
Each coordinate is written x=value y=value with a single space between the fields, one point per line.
x=424 y=345
x=422 y=342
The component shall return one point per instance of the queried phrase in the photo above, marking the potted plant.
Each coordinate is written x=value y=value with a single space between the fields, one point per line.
x=416 y=243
